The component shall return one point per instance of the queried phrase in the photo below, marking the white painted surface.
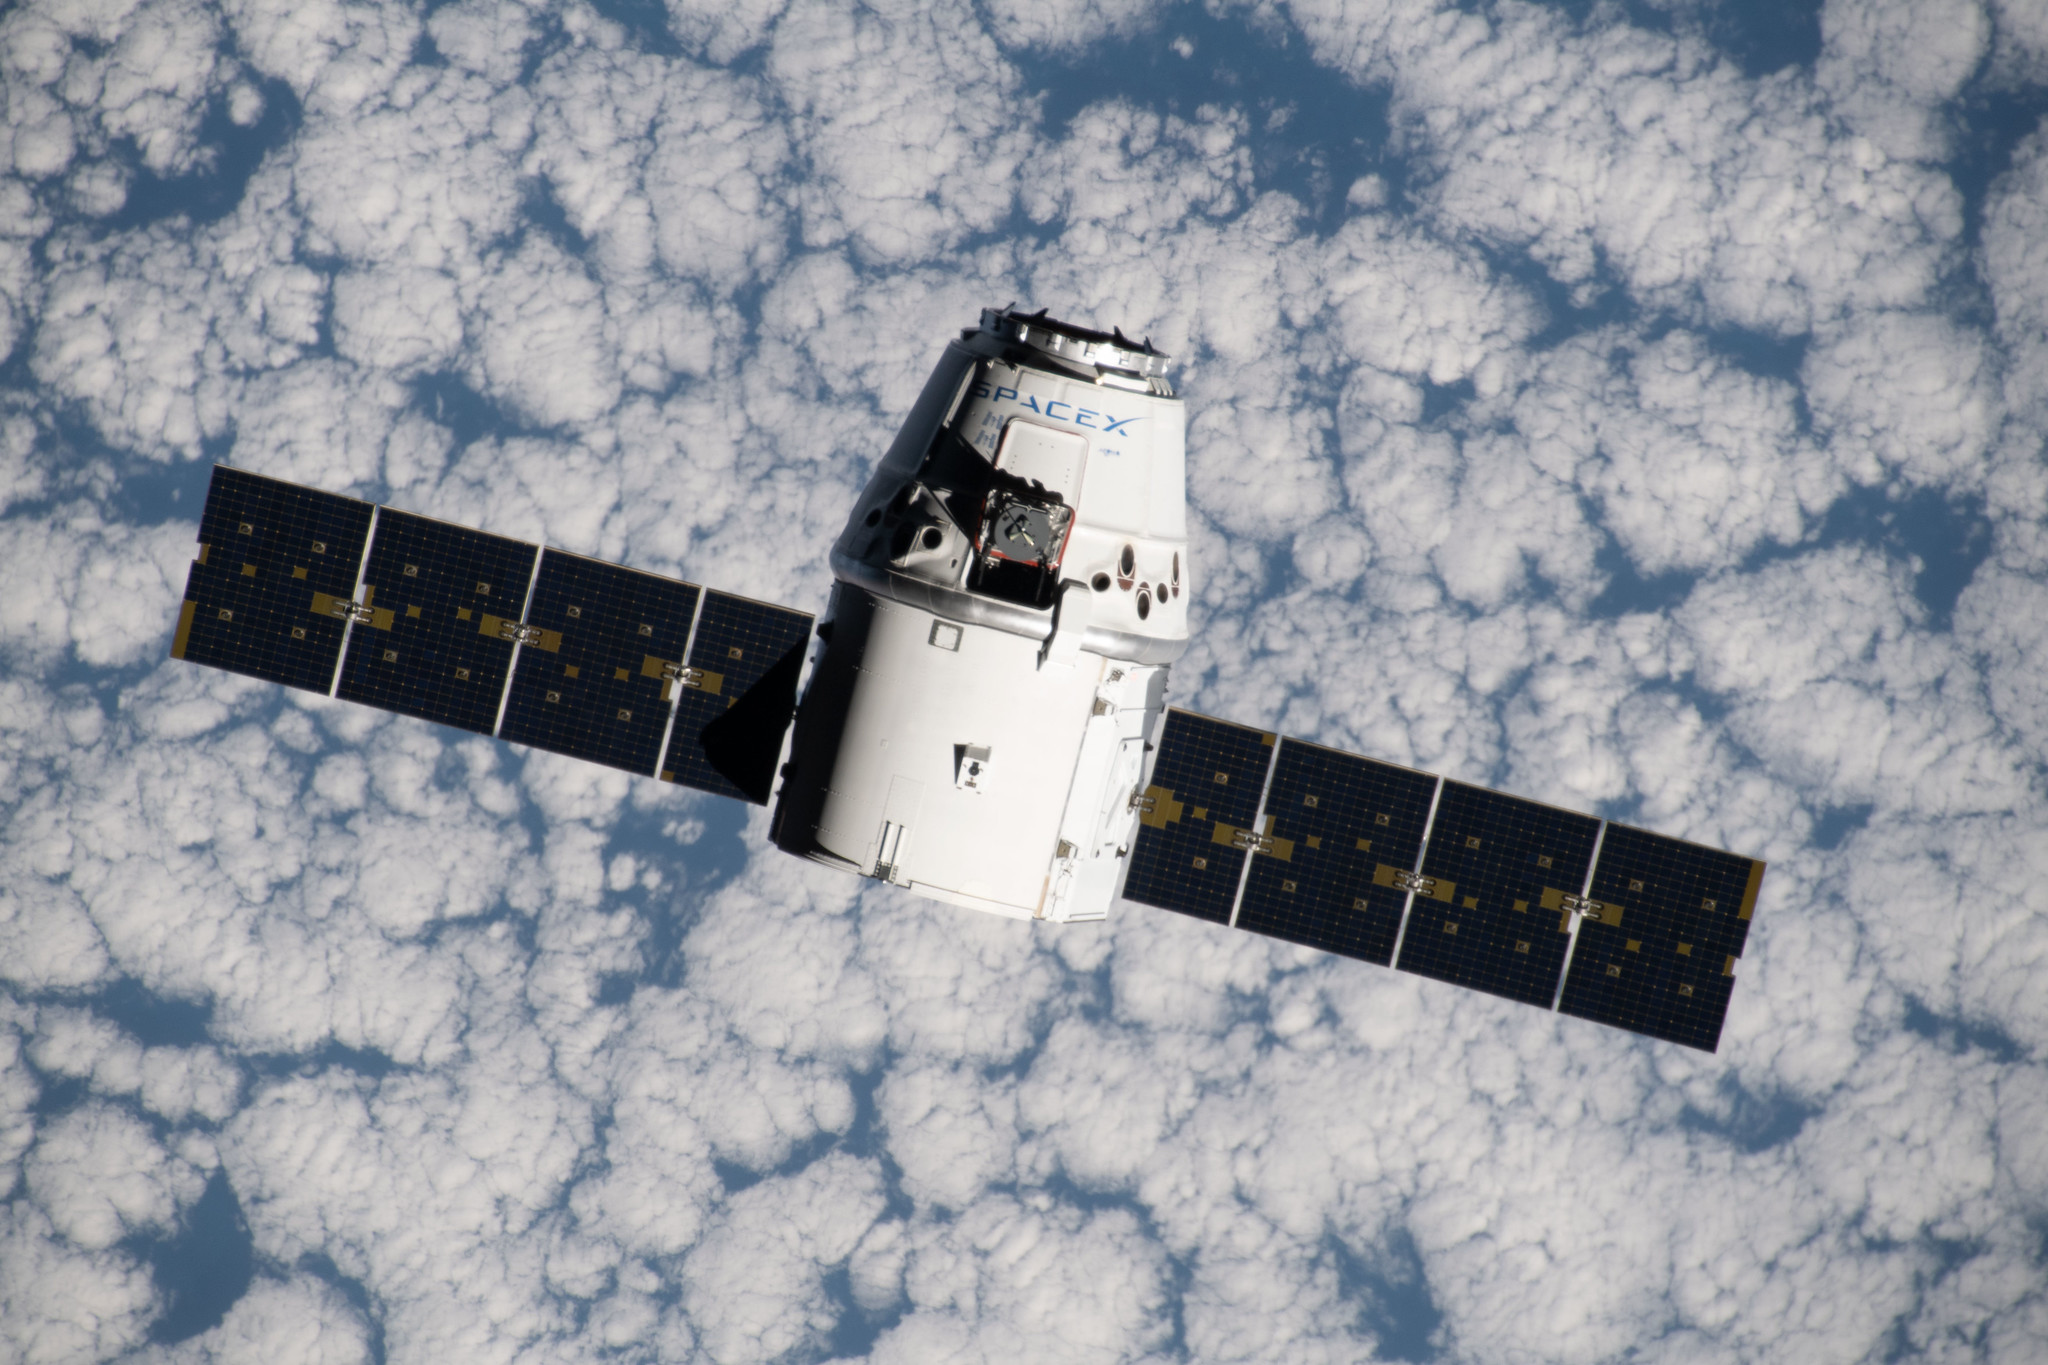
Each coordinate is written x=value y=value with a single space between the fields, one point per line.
x=961 y=771
x=1025 y=747
x=1049 y=457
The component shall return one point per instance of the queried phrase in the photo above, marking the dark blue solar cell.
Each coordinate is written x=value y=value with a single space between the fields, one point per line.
x=595 y=683
x=736 y=702
x=1197 y=815
x=267 y=594
x=1340 y=827
x=445 y=606
x=1492 y=916
x=1672 y=920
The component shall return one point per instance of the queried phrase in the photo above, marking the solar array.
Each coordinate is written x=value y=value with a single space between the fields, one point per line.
x=1342 y=827
x=1478 y=888
x=476 y=631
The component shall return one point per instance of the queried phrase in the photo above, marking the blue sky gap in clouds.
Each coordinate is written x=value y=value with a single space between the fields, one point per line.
x=1638 y=406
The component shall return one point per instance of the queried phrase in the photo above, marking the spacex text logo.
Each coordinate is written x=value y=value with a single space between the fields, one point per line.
x=1080 y=417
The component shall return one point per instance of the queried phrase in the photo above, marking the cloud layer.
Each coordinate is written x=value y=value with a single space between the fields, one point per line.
x=1646 y=433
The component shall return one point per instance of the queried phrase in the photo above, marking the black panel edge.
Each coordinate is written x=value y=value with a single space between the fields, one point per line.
x=744 y=745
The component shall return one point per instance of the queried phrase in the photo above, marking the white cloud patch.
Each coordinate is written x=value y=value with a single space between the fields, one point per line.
x=483 y=37
x=910 y=120
x=664 y=164
x=1073 y=26
x=100 y=1177
x=18 y=1094
x=2019 y=42
x=174 y=1082
x=953 y=1138
x=1032 y=1278
x=50 y=939
x=128 y=338
x=1909 y=392
x=299 y=1319
x=723 y=31
x=152 y=333
x=1866 y=708
x=1887 y=66
x=2015 y=256
x=62 y=1303
x=754 y=1285
x=84 y=585
x=2003 y=616
x=86 y=79
x=1695 y=461
x=1134 y=174
x=1710 y=194
x=324 y=423
x=335 y=55
x=426 y=179
x=400 y=320
x=543 y=342
x=1407 y=304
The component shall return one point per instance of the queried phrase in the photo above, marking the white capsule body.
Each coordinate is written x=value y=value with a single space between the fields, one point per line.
x=1014 y=583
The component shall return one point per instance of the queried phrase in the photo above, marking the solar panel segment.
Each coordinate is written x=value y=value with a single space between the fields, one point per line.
x=736 y=702
x=274 y=559
x=1492 y=916
x=1340 y=824
x=1663 y=921
x=596 y=683
x=444 y=612
x=1197 y=815
x=1660 y=958
x=447 y=602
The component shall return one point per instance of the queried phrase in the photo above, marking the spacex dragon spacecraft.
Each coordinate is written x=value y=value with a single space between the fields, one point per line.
x=983 y=717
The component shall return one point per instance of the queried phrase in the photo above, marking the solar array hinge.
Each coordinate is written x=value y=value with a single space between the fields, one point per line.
x=1142 y=803
x=357 y=612
x=1255 y=843
x=519 y=634
x=682 y=675
x=1580 y=906
x=1416 y=882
